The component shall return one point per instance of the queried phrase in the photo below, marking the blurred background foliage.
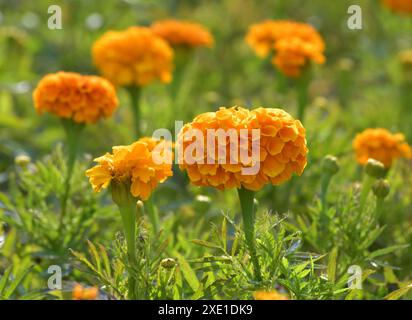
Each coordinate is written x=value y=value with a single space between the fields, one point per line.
x=358 y=87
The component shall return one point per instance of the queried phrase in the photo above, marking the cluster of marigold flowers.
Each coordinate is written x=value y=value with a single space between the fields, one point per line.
x=282 y=148
x=139 y=55
x=294 y=44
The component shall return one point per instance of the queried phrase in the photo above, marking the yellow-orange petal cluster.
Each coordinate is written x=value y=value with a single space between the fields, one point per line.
x=399 y=6
x=81 y=293
x=380 y=144
x=183 y=33
x=280 y=148
x=84 y=99
x=294 y=44
x=269 y=295
x=135 y=56
x=142 y=165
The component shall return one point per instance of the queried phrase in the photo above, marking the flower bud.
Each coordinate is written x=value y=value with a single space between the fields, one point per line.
x=168 y=263
x=375 y=169
x=121 y=194
x=330 y=165
x=381 y=188
x=22 y=161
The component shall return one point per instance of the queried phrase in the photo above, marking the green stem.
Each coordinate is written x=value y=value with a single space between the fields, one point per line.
x=325 y=181
x=302 y=93
x=135 y=96
x=379 y=207
x=246 y=198
x=366 y=188
x=73 y=132
x=153 y=214
x=128 y=213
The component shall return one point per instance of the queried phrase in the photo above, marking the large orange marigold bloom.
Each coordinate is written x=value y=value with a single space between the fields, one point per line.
x=380 y=144
x=136 y=165
x=84 y=99
x=294 y=44
x=400 y=6
x=182 y=33
x=135 y=56
x=280 y=147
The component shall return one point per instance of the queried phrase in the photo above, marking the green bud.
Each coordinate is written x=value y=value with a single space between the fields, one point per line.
x=375 y=169
x=22 y=161
x=330 y=165
x=381 y=188
x=168 y=263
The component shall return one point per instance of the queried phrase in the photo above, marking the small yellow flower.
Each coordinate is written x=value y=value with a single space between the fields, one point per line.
x=269 y=295
x=135 y=56
x=140 y=166
x=83 y=99
x=399 y=6
x=81 y=293
x=281 y=151
x=294 y=44
x=183 y=33
x=380 y=144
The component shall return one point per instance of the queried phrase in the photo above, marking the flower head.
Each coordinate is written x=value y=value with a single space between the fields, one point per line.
x=140 y=166
x=294 y=44
x=81 y=293
x=135 y=56
x=400 y=6
x=84 y=99
x=269 y=295
x=235 y=147
x=182 y=33
x=380 y=144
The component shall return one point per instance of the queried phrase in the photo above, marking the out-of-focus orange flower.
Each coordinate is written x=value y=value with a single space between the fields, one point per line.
x=380 y=144
x=400 y=6
x=280 y=144
x=294 y=44
x=84 y=99
x=269 y=295
x=81 y=293
x=135 y=56
x=141 y=165
x=182 y=33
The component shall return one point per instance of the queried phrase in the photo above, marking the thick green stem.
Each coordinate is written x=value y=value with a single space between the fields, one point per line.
x=73 y=132
x=135 y=96
x=128 y=213
x=153 y=214
x=246 y=198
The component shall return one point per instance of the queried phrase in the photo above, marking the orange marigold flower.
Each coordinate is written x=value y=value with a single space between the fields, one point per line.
x=182 y=33
x=269 y=295
x=81 y=293
x=142 y=165
x=84 y=99
x=400 y=6
x=280 y=148
x=135 y=56
x=380 y=144
x=295 y=44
